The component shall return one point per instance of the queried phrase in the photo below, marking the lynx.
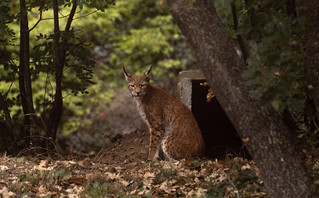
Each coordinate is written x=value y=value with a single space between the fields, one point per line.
x=174 y=133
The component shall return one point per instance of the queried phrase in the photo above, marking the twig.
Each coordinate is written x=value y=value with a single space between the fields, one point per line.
x=86 y=15
x=39 y=19
x=46 y=149
x=23 y=94
x=314 y=121
x=308 y=139
x=67 y=16
x=233 y=185
x=98 y=155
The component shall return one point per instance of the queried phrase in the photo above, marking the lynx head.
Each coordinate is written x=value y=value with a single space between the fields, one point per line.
x=138 y=85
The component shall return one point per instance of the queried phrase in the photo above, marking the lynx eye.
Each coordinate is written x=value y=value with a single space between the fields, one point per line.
x=132 y=86
x=143 y=85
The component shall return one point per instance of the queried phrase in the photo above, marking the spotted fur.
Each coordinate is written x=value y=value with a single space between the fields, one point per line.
x=173 y=129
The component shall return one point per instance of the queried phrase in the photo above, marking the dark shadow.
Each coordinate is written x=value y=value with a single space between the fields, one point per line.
x=220 y=136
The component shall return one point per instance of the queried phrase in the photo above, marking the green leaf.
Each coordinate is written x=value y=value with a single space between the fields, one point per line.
x=63 y=173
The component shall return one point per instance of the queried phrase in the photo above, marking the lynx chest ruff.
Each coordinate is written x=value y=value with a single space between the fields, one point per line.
x=141 y=110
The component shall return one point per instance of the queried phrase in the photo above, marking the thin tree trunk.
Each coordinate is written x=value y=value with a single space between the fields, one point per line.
x=24 y=72
x=7 y=115
x=54 y=114
x=266 y=137
x=291 y=8
x=7 y=131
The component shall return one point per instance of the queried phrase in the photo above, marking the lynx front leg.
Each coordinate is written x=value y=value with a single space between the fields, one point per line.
x=155 y=142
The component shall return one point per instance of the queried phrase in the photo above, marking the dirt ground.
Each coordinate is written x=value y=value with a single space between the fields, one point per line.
x=131 y=148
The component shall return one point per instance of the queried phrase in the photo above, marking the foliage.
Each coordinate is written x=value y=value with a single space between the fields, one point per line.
x=131 y=33
x=137 y=34
x=276 y=62
x=274 y=39
x=5 y=18
x=42 y=65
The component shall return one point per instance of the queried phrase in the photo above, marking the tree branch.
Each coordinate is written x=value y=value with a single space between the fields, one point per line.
x=53 y=117
x=39 y=19
x=70 y=19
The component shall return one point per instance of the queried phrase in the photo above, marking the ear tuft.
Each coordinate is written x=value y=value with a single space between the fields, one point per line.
x=149 y=71
x=127 y=75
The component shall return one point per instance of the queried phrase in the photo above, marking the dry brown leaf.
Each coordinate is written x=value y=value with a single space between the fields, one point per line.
x=84 y=163
x=3 y=168
x=42 y=191
x=13 y=178
x=149 y=175
x=44 y=165
x=74 y=192
x=245 y=167
x=124 y=182
x=112 y=176
x=6 y=193
x=77 y=179
x=4 y=183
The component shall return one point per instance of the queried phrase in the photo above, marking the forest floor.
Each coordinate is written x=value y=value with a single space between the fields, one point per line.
x=122 y=171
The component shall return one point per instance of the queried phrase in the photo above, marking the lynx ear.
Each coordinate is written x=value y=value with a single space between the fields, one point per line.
x=149 y=71
x=127 y=75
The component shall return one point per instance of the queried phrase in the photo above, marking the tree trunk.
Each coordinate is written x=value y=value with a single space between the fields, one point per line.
x=53 y=117
x=312 y=50
x=24 y=73
x=266 y=137
x=6 y=132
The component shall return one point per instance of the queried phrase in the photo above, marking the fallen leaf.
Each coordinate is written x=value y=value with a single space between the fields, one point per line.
x=43 y=166
x=42 y=191
x=149 y=175
x=5 y=193
x=245 y=167
x=3 y=182
x=3 y=168
x=77 y=180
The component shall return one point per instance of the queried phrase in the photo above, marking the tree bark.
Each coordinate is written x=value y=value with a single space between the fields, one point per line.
x=266 y=137
x=53 y=117
x=24 y=72
x=312 y=50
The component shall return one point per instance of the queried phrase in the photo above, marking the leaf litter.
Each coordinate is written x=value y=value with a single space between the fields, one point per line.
x=121 y=172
